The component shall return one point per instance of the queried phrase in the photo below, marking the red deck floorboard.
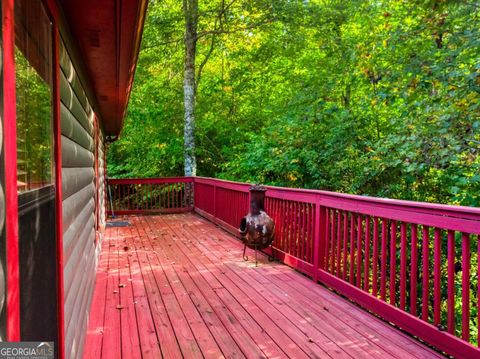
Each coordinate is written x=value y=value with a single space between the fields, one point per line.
x=176 y=286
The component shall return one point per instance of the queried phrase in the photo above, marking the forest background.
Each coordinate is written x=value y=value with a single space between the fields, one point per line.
x=368 y=97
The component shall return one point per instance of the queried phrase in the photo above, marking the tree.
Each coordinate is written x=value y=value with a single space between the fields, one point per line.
x=190 y=10
x=367 y=97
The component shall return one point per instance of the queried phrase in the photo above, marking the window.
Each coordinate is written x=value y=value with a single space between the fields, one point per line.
x=33 y=69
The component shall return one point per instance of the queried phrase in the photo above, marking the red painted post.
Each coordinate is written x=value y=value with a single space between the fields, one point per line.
x=345 y=244
x=283 y=214
x=414 y=270
x=318 y=257
x=215 y=201
x=10 y=155
x=57 y=129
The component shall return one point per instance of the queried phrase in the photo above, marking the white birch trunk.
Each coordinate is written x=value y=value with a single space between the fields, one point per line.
x=190 y=8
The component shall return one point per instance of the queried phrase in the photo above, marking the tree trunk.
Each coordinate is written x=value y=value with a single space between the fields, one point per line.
x=190 y=10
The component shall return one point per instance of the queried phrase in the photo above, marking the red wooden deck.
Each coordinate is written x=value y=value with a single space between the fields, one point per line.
x=176 y=286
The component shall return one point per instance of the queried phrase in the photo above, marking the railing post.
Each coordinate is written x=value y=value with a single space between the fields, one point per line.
x=192 y=184
x=214 y=200
x=318 y=240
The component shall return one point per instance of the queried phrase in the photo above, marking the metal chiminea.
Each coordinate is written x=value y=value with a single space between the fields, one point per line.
x=256 y=228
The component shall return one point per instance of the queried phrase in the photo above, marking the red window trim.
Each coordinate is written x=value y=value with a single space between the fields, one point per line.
x=10 y=155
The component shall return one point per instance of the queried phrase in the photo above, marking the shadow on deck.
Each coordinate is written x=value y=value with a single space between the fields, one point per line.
x=176 y=286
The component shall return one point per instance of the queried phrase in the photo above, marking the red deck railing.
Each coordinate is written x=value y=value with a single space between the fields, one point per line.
x=385 y=255
x=149 y=195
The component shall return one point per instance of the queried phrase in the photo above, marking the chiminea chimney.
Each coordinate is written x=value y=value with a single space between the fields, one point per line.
x=256 y=228
x=257 y=199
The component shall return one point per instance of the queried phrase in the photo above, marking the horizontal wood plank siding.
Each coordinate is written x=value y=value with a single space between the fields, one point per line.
x=78 y=187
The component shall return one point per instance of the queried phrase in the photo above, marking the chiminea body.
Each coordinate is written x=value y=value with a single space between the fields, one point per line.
x=257 y=228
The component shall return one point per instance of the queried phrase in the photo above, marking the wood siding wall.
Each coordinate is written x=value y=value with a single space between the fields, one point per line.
x=78 y=186
x=101 y=181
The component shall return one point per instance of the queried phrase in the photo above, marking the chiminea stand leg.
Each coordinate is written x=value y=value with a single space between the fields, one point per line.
x=245 y=258
x=271 y=257
x=256 y=261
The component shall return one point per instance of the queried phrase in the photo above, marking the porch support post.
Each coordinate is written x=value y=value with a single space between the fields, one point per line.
x=10 y=157
x=57 y=152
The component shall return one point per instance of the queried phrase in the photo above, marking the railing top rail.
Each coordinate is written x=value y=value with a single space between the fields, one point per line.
x=326 y=197
x=149 y=180
x=414 y=206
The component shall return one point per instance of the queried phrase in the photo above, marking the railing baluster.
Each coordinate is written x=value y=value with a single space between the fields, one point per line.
x=300 y=234
x=352 y=247
x=327 y=240
x=182 y=193
x=283 y=226
x=465 y=287
x=359 y=250
x=451 y=282
x=393 y=261
x=310 y=234
x=291 y=236
x=305 y=232
x=298 y=214
x=375 y=258
x=383 y=277
x=414 y=270
x=137 y=196
x=437 y=258
x=425 y=272
x=339 y=242
x=345 y=244
x=333 y=239
x=366 y=264
x=150 y=196
x=287 y=226
x=403 y=265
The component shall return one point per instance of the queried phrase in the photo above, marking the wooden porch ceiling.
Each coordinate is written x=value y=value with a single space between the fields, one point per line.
x=176 y=286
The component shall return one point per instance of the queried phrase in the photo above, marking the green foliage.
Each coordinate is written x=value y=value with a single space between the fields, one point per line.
x=367 y=97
